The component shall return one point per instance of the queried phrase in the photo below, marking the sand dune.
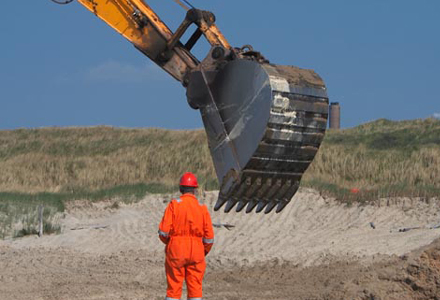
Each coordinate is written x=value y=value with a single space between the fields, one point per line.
x=310 y=231
x=102 y=252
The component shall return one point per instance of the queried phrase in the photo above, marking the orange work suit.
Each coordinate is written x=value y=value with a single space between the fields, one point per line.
x=186 y=229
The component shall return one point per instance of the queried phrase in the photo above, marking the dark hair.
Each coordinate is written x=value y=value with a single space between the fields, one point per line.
x=187 y=189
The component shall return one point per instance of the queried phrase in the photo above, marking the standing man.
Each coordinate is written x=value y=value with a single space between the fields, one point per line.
x=186 y=230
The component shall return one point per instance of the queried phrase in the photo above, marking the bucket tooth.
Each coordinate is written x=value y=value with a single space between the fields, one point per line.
x=282 y=191
x=270 y=206
x=251 y=205
x=287 y=197
x=281 y=205
x=253 y=188
x=220 y=202
x=238 y=190
x=230 y=204
x=242 y=204
x=291 y=192
x=264 y=188
x=276 y=187
x=243 y=187
x=261 y=205
x=267 y=199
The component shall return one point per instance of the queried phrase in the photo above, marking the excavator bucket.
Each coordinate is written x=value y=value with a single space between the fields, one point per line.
x=264 y=125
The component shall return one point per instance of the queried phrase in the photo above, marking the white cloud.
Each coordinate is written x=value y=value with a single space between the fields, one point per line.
x=436 y=115
x=113 y=71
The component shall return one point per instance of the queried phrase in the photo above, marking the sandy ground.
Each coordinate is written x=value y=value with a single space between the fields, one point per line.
x=315 y=249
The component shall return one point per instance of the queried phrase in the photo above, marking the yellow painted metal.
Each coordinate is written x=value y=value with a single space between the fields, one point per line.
x=140 y=25
x=215 y=37
x=119 y=14
x=153 y=18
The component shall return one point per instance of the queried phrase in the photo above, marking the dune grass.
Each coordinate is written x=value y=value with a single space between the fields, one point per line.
x=375 y=155
x=54 y=165
x=18 y=211
x=383 y=157
x=77 y=160
x=19 y=214
x=89 y=159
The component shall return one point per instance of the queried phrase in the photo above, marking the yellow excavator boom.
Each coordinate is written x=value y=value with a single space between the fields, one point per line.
x=140 y=25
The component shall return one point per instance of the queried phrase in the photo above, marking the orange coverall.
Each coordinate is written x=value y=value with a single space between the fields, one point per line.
x=186 y=229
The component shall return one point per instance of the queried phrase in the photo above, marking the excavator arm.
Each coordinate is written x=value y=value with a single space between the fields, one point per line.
x=140 y=25
x=264 y=122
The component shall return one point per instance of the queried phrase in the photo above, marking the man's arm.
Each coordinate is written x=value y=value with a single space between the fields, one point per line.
x=166 y=223
x=208 y=237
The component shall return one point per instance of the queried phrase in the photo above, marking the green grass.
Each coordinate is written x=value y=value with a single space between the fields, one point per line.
x=58 y=200
x=76 y=160
x=97 y=158
x=87 y=141
x=389 y=135
x=364 y=196
x=22 y=208
x=393 y=158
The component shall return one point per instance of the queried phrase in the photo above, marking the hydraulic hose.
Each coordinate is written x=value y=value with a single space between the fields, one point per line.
x=62 y=2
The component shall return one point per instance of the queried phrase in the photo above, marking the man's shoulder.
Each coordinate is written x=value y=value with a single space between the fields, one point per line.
x=181 y=198
x=176 y=199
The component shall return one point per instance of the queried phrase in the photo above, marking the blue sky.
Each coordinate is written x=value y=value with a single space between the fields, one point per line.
x=62 y=66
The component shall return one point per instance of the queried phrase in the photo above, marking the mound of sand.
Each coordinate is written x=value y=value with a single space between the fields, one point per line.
x=315 y=249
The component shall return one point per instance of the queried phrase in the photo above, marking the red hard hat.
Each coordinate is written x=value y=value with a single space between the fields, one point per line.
x=188 y=179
